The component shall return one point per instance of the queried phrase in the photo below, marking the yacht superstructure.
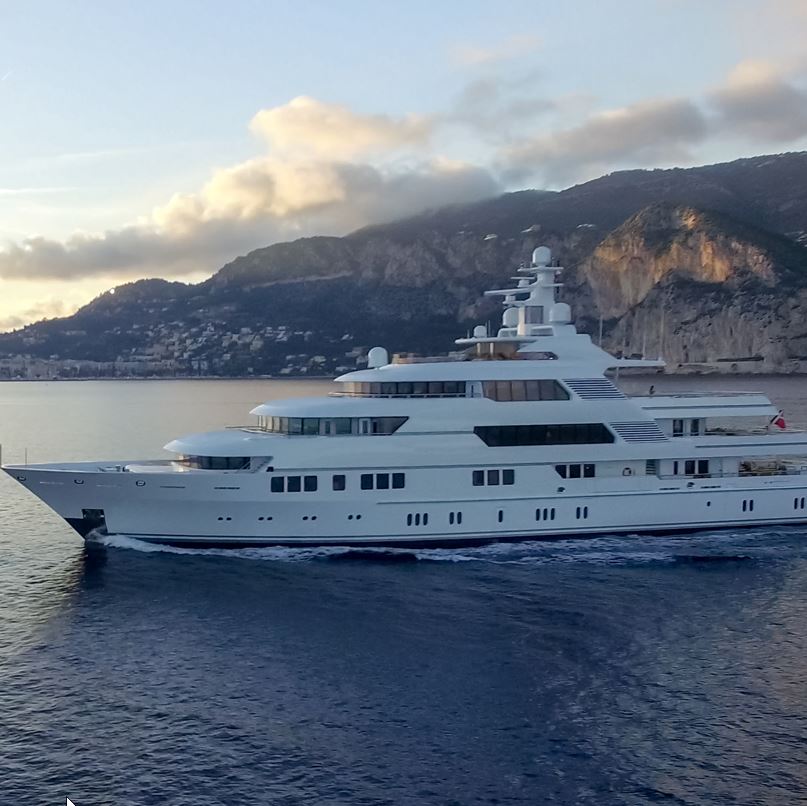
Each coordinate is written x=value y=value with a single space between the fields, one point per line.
x=521 y=435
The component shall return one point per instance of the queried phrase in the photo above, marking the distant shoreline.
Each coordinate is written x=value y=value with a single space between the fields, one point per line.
x=627 y=374
x=179 y=378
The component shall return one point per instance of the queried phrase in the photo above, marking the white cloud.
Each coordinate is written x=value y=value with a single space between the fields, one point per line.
x=326 y=169
x=308 y=127
x=250 y=205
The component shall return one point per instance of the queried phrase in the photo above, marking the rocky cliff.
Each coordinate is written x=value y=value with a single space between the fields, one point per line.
x=700 y=265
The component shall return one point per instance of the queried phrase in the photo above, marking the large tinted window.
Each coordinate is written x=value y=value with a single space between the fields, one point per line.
x=562 y=434
x=506 y=391
x=218 y=462
x=406 y=389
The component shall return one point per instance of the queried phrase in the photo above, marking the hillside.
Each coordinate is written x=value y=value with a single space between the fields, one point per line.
x=702 y=264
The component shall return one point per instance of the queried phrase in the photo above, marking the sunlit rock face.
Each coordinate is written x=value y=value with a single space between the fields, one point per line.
x=698 y=286
x=664 y=241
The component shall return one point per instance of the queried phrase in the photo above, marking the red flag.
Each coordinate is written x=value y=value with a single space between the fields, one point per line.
x=779 y=420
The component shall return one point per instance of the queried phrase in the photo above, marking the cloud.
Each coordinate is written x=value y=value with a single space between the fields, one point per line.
x=249 y=205
x=467 y=55
x=310 y=127
x=327 y=170
x=47 y=309
x=645 y=133
x=760 y=104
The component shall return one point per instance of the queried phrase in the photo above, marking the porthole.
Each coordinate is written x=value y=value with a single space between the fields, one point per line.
x=20 y=478
x=140 y=483
x=78 y=481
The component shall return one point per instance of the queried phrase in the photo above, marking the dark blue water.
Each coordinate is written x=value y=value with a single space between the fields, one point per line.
x=611 y=671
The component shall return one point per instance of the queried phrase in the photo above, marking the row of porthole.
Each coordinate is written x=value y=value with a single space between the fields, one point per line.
x=269 y=517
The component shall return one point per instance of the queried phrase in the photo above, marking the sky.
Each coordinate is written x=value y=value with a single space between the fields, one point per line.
x=163 y=139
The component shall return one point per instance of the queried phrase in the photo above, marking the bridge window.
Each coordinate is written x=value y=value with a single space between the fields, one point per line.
x=381 y=481
x=216 y=462
x=339 y=482
x=293 y=484
x=405 y=389
x=576 y=471
x=519 y=391
x=336 y=426
x=493 y=478
x=496 y=436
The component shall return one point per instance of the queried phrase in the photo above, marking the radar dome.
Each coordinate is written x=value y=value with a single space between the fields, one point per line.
x=377 y=357
x=541 y=256
x=480 y=331
x=510 y=317
x=560 y=314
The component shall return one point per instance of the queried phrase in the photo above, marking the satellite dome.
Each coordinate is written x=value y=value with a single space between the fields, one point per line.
x=541 y=256
x=377 y=357
x=480 y=331
x=510 y=317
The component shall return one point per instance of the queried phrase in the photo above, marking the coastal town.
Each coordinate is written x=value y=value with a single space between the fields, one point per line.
x=208 y=350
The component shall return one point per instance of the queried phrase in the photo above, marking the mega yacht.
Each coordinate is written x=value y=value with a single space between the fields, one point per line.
x=521 y=434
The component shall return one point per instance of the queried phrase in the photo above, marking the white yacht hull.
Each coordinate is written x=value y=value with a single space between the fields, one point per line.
x=235 y=509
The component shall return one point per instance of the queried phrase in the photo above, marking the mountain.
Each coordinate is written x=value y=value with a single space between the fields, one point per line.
x=702 y=264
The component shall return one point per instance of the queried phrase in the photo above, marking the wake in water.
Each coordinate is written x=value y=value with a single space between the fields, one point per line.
x=690 y=549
